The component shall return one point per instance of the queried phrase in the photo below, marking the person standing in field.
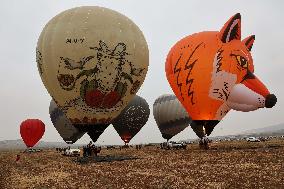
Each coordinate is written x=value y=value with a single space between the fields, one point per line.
x=17 y=157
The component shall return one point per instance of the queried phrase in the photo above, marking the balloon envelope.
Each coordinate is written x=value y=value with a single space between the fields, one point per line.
x=170 y=115
x=31 y=131
x=94 y=131
x=92 y=60
x=212 y=72
x=134 y=116
x=63 y=125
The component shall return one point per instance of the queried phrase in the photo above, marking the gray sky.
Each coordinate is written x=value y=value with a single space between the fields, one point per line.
x=163 y=23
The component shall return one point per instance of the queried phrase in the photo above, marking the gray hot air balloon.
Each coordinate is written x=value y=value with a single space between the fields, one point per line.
x=132 y=118
x=170 y=115
x=64 y=127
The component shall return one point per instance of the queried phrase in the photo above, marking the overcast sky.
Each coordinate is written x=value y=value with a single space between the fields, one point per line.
x=163 y=23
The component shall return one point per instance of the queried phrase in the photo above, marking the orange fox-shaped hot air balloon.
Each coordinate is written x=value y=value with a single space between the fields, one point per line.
x=211 y=72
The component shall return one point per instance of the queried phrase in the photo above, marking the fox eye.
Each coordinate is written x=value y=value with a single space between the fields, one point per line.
x=242 y=61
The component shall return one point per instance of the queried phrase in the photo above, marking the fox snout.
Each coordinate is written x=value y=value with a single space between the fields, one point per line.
x=258 y=87
x=270 y=100
x=250 y=95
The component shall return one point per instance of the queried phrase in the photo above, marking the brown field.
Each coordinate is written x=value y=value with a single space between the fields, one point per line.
x=225 y=165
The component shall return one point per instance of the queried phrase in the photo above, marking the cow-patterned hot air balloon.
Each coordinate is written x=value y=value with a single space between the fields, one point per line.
x=132 y=118
x=212 y=72
x=69 y=133
x=31 y=131
x=170 y=115
x=92 y=60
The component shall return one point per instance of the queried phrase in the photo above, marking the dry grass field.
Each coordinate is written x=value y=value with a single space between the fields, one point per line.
x=237 y=164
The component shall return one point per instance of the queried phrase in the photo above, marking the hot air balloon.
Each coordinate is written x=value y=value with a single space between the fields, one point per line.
x=170 y=115
x=212 y=72
x=92 y=60
x=133 y=117
x=31 y=131
x=94 y=131
x=69 y=133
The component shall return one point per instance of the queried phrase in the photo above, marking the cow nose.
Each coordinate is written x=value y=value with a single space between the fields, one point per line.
x=270 y=100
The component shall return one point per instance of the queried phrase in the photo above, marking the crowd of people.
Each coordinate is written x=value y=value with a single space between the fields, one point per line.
x=91 y=150
x=88 y=150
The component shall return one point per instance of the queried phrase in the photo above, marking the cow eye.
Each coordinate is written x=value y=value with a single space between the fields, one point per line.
x=242 y=61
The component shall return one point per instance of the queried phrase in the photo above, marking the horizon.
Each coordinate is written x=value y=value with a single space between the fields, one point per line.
x=244 y=133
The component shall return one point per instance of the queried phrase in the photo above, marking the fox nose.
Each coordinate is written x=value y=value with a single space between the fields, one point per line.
x=270 y=100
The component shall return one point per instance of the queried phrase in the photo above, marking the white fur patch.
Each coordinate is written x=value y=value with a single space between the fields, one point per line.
x=244 y=99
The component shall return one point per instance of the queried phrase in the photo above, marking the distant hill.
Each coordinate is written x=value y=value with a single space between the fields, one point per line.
x=270 y=130
x=19 y=144
x=274 y=130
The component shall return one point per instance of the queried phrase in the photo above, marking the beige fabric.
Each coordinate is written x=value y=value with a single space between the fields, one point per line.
x=83 y=53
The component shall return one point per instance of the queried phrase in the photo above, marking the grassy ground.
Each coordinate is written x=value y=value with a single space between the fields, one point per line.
x=237 y=164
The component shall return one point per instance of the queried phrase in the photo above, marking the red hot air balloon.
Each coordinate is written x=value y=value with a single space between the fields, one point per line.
x=31 y=131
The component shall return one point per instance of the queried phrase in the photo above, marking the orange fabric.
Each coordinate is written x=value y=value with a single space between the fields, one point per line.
x=257 y=86
x=190 y=67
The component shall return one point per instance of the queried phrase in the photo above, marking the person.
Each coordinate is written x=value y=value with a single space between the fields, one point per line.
x=89 y=148
x=84 y=151
x=90 y=144
x=92 y=150
x=81 y=152
x=97 y=150
x=17 y=157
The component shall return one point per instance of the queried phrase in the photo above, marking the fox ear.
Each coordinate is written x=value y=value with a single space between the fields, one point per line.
x=249 y=41
x=232 y=29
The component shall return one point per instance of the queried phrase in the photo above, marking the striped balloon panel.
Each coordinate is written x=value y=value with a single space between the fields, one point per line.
x=62 y=124
x=170 y=116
